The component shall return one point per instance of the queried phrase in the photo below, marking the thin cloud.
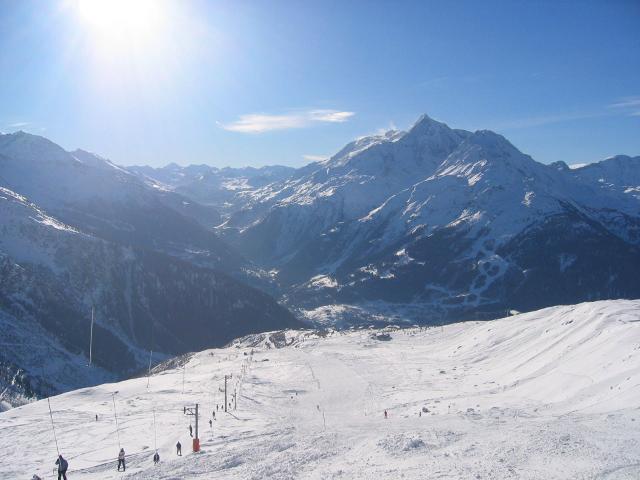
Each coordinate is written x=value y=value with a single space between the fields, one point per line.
x=262 y=122
x=332 y=116
x=18 y=124
x=626 y=102
x=624 y=106
x=630 y=105
x=545 y=120
x=383 y=130
x=315 y=158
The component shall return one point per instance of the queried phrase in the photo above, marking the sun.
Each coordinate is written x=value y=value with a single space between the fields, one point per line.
x=121 y=21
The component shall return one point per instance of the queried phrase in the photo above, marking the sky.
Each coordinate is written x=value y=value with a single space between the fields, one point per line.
x=287 y=82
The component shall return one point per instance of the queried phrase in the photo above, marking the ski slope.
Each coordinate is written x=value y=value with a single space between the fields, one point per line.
x=552 y=394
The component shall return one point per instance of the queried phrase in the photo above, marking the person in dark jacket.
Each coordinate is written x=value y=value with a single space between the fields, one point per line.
x=156 y=458
x=121 y=460
x=63 y=465
x=178 y=449
x=190 y=430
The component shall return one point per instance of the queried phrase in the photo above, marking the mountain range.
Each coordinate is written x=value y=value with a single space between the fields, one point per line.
x=79 y=232
x=436 y=224
x=429 y=225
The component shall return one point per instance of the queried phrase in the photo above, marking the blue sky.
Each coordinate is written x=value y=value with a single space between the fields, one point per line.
x=265 y=82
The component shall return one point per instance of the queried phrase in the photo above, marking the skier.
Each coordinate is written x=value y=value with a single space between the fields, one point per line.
x=178 y=449
x=96 y=417
x=62 y=467
x=156 y=458
x=35 y=477
x=121 y=460
x=190 y=430
x=385 y=414
x=214 y=415
x=210 y=423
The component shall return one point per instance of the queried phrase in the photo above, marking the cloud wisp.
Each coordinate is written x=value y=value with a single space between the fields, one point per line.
x=262 y=122
x=630 y=105
x=545 y=120
x=315 y=158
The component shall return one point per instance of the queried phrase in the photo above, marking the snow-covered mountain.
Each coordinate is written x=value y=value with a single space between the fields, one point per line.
x=444 y=223
x=220 y=188
x=550 y=394
x=429 y=225
x=94 y=234
x=620 y=173
x=97 y=196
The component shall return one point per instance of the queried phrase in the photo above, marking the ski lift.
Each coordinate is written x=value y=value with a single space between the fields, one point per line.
x=91 y=339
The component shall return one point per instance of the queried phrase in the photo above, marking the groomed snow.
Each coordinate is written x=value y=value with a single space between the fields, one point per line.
x=552 y=394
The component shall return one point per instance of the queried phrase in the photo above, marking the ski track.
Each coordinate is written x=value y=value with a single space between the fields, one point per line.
x=551 y=394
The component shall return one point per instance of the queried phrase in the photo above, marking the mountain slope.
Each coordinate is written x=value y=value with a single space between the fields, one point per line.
x=98 y=197
x=53 y=273
x=620 y=173
x=443 y=222
x=549 y=394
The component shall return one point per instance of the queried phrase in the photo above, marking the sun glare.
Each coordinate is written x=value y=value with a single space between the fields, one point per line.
x=116 y=21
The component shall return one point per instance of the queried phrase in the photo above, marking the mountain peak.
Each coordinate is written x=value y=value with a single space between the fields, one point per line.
x=560 y=166
x=24 y=146
x=427 y=125
x=494 y=144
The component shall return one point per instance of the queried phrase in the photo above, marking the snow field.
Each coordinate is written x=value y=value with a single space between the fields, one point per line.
x=550 y=394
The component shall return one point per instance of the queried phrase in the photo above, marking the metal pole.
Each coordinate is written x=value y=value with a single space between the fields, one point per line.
x=149 y=370
x=184 y=367
x=115 y=413
x=155 y=435
x=225 y=393
x=197 y=422
x=91 y=338
x=53 y=427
